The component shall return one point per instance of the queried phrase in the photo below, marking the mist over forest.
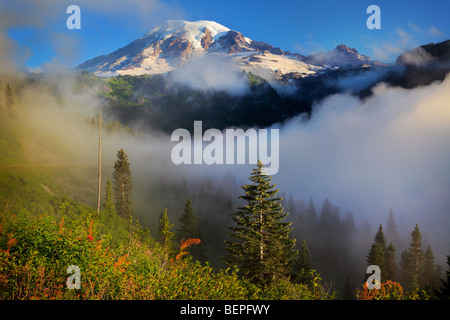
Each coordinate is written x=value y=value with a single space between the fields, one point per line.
x=358 y=148
x=343 y=167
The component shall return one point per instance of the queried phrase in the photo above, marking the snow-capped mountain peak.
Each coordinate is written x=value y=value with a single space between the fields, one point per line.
x=175 y=42
x=192 y=31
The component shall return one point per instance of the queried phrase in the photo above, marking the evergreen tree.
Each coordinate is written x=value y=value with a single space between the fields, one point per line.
x=263 y=249
x=391 y=227
x=429 y=278
x=326 y=222
x=189 y=229
x=376 y=257
x=380 y=238
x=411 y=262
x=406 y=269
x=123 y=184
x=310 y=227
x=377 y=252
x=302 y=267
x=165 y=235
x=390 y=264
x=9 y=98
x=311 y=214
x=416 y=252
x=291 y=205
x=348 y=225
x=444 y=292
x=108 y=206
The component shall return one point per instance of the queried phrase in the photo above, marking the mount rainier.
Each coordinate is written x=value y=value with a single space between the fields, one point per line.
x=176 y=42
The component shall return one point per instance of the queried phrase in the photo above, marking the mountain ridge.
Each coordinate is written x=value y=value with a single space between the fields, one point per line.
x=169 y=46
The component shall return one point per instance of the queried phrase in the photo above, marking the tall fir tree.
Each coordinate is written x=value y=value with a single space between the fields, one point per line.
x=390 y=264
x=380 y=238
x=377 y=252
x=108 y=206
x=326 y=222
x=165 y=235
x=348 y=225
x=391 y=228
x=376 y=257
x=444 y=292
x=123 y=184
x=311 y=214
x=302 y=267
x=406 y=269
x=411 y=262
x=262 y=248
x=429 y=278
x=189 y=229
x=416 y=253
x=9 y=98
x=189 y=226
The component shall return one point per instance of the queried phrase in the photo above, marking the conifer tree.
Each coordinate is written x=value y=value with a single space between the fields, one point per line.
x=302 y=267
x=416 y=252
x=108 y=206
x=326 y=223
x=406 y=269
x=123 y=184
x=310 y=227
x=311 y=214
x=189 y=229
x=444 y=292
x=380 y=238
x=165 y=234
x=377 y=252
x=348 y=225
x=9 y=98
x=376 y=257
x=390 y=264
x=411 y=262
x=429 y=278
x=263 y=249
x=391 y=228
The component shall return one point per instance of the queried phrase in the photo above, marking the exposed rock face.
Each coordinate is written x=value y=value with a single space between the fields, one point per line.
x=343 y=57
x=176 y=47
x=233 y=42
x=261 y=46
x=207 y=39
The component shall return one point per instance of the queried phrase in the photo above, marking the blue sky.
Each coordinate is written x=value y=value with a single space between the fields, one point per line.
x=42 y=38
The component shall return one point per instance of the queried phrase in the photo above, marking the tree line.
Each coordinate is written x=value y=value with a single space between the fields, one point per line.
x=262 y=244
x=8 y=102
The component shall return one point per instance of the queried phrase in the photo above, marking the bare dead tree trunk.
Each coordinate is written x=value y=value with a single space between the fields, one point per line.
x=99 y=162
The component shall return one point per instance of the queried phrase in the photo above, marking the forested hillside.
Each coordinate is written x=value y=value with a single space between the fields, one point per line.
x=160 y=235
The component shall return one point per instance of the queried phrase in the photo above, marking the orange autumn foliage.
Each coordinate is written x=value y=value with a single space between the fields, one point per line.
x=389 y=290
x=121 y=263
x=185 y=244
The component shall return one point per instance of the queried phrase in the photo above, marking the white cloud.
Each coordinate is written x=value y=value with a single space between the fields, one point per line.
x=389 y=150
x=211 y=72
x=435 y=32
x=430 y=32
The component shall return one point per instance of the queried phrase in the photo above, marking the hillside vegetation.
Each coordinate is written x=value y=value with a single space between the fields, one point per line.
x=49 y=220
